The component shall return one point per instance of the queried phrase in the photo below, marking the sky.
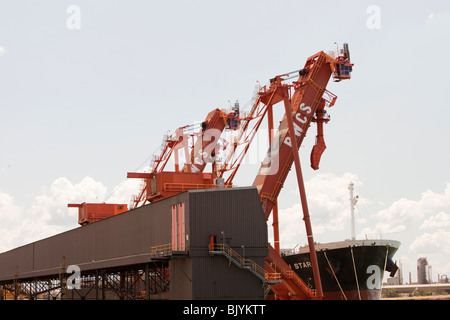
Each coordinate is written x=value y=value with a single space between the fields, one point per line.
x=88 y=89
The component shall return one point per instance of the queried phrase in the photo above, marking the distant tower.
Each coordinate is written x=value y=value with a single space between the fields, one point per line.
x=422 y=271
x=353 y=201
x=429 y=275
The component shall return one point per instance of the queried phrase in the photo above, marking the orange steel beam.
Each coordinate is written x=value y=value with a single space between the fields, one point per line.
x=309 y=90
x=139 y=175
x=275 y=223
x=320 y=145
x=301 y=186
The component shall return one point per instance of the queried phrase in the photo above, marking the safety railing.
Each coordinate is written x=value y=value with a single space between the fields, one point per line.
x=161 y=250
x=279 y=265
x=173 y=186
x=245 y=263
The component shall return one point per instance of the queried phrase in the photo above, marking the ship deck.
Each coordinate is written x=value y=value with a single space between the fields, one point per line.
x=347 y=243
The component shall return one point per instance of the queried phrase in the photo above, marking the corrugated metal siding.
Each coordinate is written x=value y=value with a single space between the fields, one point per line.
x=126 y=239
x=214 y=278
x=19 y=260
x=118 y=240
x=181 y=283
x=237 y=212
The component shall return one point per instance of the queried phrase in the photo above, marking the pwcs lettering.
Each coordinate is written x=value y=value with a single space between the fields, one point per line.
x=301 y=119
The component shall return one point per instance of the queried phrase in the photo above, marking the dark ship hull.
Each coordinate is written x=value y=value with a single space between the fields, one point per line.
x=349 y=270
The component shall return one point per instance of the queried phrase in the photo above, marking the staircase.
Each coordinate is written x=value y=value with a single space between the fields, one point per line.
x=268 y=279
x=291 y=286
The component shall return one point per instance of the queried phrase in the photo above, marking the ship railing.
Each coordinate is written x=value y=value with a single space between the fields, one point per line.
x=373 y=236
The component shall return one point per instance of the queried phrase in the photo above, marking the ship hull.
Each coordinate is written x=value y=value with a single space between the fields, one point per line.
x=349 y=270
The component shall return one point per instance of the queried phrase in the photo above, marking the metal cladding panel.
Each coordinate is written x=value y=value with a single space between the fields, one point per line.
x=124 y=239
x=238 y=213
x=217 y=279
x=232 y=215
x=180 y=271
x=9 y=261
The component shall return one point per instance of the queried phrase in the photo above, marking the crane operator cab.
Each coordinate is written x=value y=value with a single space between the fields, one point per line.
x=343 y=65
x=233 y=120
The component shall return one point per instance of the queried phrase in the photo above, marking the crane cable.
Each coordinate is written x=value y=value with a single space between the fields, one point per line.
x=342 y=291
x=385 y=260
x=356 y=275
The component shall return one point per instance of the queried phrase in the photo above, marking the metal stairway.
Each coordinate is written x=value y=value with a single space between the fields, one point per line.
x=268 y=279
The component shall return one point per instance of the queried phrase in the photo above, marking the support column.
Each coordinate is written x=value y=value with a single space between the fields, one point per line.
x=103 y=284
x=147 y=282
x=301 y=186
x=275 y=224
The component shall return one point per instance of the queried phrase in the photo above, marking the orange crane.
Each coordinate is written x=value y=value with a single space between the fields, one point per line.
x=305 y=105
x=304 y=100
x=160 y=183
x=91 y=212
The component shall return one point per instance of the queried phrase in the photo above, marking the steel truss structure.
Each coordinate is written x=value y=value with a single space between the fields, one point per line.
x=134 y=282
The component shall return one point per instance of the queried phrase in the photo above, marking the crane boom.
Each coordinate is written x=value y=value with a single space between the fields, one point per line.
x=204 y=148
x=307 y=99
x=307 y=104
x=161 y=183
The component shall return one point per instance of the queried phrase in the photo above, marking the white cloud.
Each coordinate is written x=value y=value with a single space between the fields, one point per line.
x=3 y=50
x=52 y=205
x=437 y=17
x=329 y=208
x=124 y=192
x=432 y=243
x=10 y=214
x=405 y=218
x=402 y=220
x=328 y=201
x=8 y=210
x=439 y=220
x=49 y=215
x=404 y=212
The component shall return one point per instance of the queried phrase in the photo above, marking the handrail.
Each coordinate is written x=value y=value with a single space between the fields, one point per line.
x=161 y=250
x=278 y=264
x=218 y=247
x=181 y=186
x=165 y=250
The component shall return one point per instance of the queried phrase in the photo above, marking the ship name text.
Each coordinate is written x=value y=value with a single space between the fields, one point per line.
x=301 y=265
